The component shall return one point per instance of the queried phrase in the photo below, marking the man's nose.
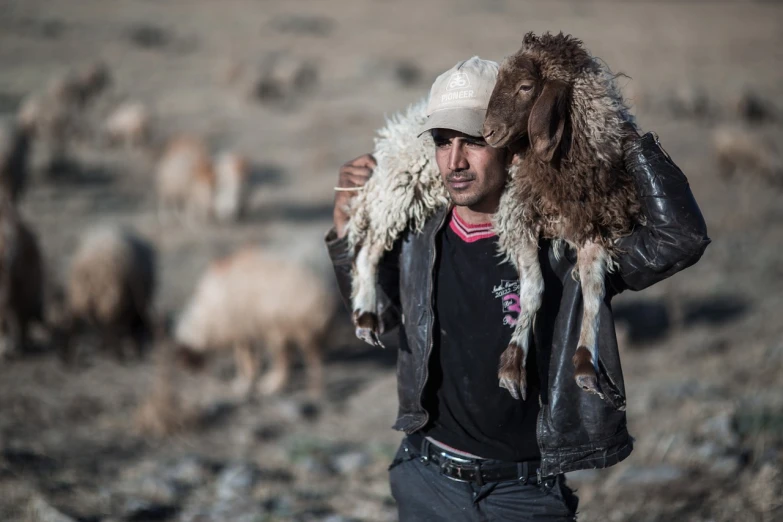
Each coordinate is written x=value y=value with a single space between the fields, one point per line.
x=457 y=159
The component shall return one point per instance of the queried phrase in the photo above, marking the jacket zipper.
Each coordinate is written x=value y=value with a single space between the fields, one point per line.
x=431 y=319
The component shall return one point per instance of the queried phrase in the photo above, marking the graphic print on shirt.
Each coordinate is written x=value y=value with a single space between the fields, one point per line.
x=508 y=293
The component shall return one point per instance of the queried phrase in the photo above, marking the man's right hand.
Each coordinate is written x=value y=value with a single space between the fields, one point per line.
x=353 y=174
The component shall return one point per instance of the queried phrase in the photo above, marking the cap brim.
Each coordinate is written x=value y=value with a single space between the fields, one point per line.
x=469 y=121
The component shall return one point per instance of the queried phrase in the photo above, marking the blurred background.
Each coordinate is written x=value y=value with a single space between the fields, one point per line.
x=165 y=155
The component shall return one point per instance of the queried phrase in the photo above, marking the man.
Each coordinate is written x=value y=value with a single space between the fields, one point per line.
x=472 y=452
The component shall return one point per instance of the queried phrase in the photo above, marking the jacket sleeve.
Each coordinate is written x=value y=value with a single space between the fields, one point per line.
x=675 y=235
x=388 y=286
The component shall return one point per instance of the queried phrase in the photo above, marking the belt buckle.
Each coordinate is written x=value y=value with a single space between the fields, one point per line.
x=454 y=462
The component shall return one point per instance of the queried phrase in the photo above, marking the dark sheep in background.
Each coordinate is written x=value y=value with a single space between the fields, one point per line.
x=21 y=278
x=14 y=148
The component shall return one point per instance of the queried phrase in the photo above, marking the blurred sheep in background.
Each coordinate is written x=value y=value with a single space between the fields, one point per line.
x=14 y=147
x=129 y=124
x=110 y=287
x=231 y=176
x=185 y=180
x=249 y=299
x=21 y=278
x=745 y=150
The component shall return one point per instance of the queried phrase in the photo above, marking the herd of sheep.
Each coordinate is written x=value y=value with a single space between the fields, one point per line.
x=245 y=301
x=250 y=302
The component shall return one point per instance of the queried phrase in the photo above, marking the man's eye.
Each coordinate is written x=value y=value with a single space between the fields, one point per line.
x=441 y=144
x=477 y=144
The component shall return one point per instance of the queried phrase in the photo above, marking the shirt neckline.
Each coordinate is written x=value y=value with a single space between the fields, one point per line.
x=467 y=232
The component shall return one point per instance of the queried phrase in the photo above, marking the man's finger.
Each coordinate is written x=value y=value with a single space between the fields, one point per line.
x=365 y=161
x=357 y=171
x=349 y=180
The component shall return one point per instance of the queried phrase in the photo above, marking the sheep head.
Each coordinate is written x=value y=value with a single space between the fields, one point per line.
x=532 y=95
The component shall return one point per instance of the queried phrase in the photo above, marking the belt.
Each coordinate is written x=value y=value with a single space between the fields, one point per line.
x=466 y=469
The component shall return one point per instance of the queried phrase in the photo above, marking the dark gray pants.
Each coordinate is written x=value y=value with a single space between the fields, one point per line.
x=423 y=494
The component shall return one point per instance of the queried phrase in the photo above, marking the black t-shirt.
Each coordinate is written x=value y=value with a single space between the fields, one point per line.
x=477 y=303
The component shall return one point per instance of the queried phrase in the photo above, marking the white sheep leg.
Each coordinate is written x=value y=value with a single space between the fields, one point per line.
x=365 y=316
x=311 y=351
x=277 y=375
x=511 y=372
x=247 y=369
x=592 y=261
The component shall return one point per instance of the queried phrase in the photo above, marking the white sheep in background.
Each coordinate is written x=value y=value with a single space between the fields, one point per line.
x=251 y=298
x=111 y=286
x=56 y=113
x=747 y=150
x=21 y=278
x=129 y=124
x=49 y=124
x=185 y=180
x=231 y=173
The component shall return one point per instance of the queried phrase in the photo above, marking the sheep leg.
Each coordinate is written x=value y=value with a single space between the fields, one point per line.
x=277 y=376
x=511 y=371
x=68 y=350
x=140 y=338
x=592 y=260
x=314 y=362
x=365 y=317
x=17 y=331
x=142 y=331
x=6 y=311
x=247 y=369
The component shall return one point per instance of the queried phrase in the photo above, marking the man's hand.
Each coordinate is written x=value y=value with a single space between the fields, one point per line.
x=352 y=175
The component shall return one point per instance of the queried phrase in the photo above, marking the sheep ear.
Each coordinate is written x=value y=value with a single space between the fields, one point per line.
x=547 y=119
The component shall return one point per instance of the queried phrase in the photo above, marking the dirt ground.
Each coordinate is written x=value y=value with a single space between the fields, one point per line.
x=702 y=351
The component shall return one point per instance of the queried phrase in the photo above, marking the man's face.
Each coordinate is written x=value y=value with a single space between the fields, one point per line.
x=474 y=173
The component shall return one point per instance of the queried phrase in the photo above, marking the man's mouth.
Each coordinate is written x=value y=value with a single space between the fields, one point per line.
x=459 y=182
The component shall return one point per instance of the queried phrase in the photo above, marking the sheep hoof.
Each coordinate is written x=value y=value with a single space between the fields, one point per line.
x=271 y=385
x=516 y=387
x=512 y=374
x=367 y=328
x=584 y=372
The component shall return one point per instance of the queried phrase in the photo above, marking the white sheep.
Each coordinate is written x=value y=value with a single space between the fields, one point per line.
x=252 y=297
x=404 y=190
x=48 y=123
x=21 y=278
x=111 y=286
x=745 y=150
x=231 y=173
x=129 y=124
x=185 y=179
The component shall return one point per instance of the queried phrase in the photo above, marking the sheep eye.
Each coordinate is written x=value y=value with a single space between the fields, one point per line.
x=526 y=87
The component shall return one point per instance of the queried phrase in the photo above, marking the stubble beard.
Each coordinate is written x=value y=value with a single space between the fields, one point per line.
x=465 y=199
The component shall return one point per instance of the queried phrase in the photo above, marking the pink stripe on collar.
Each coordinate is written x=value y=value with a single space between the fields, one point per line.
x=470 y=233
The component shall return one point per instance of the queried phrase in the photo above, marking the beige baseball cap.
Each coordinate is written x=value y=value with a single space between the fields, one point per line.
x=459 y=97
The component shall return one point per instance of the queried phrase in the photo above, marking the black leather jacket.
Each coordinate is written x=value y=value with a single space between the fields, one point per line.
x=575 y=430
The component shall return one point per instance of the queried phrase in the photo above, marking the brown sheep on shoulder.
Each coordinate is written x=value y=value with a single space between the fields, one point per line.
x=568 y=183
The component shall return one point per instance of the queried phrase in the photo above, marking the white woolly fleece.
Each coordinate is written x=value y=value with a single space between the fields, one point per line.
x=405 y=187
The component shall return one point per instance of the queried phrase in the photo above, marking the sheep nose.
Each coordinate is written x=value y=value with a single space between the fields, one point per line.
x=487 y=132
